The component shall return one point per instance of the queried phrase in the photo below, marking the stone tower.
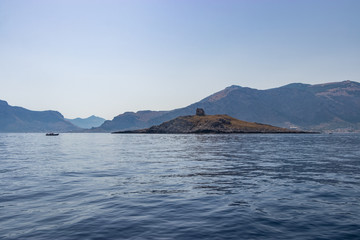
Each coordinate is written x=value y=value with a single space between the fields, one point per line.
x=200 y=112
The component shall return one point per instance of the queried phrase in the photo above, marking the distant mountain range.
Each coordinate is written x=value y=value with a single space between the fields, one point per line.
x=321 y=107
x=18 y=119
x=87 y=123
x=131 y=120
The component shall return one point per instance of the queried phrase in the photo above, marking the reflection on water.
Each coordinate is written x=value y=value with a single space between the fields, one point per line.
x=103 y=186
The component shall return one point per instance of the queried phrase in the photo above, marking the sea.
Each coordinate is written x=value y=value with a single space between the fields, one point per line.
x=224 y=186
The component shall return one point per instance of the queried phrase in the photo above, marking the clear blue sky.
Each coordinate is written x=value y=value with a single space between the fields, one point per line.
x=105 y=57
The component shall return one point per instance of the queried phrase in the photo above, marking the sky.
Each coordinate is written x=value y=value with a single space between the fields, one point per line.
x=104 y=57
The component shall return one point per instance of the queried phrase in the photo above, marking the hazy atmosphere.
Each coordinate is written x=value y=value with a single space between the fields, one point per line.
x=252 y=129
x=107 y=57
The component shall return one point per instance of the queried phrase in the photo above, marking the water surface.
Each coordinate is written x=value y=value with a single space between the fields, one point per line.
x=103 y=186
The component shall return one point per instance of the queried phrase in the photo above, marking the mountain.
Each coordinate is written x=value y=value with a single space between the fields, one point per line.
x=130 y=120
x=90 y=122
x=18 y=119
x=201 y=123
x=320 y=107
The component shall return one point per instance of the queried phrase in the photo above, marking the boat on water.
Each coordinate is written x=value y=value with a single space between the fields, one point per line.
x=52 y=134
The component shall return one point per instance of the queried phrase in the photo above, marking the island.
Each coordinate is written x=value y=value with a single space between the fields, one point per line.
x=202 y=123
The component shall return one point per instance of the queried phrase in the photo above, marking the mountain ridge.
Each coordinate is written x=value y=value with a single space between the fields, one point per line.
x=320 y=107
x=87 y=123
x=19 y=119
x=331 y=106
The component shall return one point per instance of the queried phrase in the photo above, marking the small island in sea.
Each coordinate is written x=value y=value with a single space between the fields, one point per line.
x=202 y=123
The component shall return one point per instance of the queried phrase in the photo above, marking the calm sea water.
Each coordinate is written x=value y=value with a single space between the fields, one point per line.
x=103 y=186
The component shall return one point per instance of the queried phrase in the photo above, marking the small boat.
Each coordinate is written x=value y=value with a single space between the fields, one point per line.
x=52 y=134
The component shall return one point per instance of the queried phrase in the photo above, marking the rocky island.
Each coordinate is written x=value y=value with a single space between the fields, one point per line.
x=202 y=123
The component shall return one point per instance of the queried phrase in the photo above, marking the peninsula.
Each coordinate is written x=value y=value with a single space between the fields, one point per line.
x=201 y=123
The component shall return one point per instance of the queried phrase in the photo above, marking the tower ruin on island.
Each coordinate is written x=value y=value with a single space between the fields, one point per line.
x=200 y=112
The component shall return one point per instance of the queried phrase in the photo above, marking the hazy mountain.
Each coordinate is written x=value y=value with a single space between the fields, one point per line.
x=18 y=119
x=130 y=120
x=330 y=106
x=90 y=122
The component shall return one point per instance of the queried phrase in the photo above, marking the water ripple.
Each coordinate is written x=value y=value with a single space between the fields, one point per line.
x=102 y=186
